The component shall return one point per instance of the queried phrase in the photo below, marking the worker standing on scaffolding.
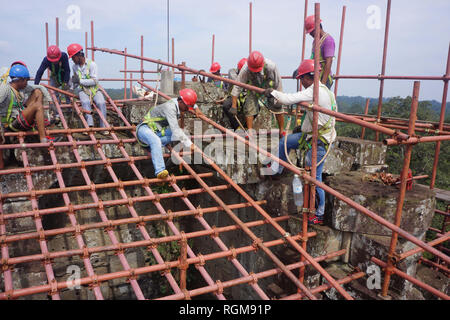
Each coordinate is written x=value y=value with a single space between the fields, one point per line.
x=58 y=64
x=227 y=101
x=160 y=127
x=22 y=105
x=302 y=136
x=85 y=83
x=263 y=73
x=327 y=48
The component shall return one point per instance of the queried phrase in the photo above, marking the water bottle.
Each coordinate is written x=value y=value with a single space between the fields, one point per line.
x=298 y=191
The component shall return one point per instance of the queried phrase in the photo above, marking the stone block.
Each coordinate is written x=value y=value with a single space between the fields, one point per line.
x=365 y=152
x=338 y=160
x=374 y=168
x=433 y=278
x=418 y=208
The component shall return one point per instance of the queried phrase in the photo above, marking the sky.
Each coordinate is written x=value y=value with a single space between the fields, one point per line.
x=418 y=36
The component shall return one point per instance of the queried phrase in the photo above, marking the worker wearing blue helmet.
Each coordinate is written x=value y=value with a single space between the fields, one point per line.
x=18 y=113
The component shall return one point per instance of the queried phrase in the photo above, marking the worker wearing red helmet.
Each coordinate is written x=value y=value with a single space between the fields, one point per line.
x=58 y=64
x=85 y=84
x=302 y=136
x=227 y=101
x=160 y=127
x=263 y=73
x=215 y=69
x=327 y=48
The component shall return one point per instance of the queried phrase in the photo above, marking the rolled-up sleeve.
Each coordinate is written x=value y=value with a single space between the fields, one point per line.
x=292 y=98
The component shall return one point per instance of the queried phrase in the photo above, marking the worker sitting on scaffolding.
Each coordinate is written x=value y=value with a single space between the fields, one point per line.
x=227 y=101
x=160 y=127
x=85 y=84
x=22 y=105
x=58 y=64
x=263 y=73
x=302 y=135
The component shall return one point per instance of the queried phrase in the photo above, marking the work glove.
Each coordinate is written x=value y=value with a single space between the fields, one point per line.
x=233 y=111
x=268 y=92
x=76 y=79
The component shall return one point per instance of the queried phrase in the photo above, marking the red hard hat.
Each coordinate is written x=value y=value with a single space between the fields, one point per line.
x=214 y=67
x=73 y=49
x=310 y=23
x=241 y=63
x=53 y=54
x=188 y=96
x=307 y=66
x=255 y=61
x=18 y=62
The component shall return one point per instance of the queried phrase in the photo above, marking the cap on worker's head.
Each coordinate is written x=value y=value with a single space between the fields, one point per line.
x=19 y=71
x=53 y=54
x=214 y=67
x=241 y=63
x=18 y=62
x=310 y=23
x=188 y=96
x=73 y=49
x=307 y=66
x=255 y=61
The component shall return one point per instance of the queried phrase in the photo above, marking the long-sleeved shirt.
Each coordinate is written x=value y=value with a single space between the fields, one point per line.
x=326 y=100
x=6 y=94
x=261 y=79
x=61 y=66
x=171 y=112
x=92 y=71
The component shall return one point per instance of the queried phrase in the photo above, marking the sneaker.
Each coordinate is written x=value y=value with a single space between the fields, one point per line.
x=163 y=174
x=315 y=221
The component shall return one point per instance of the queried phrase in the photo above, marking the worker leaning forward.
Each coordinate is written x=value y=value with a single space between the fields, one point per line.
x=327 y=47
x=160 y=127
x=58 y=64
x=227 y=101
x=85 y=83
x=22 y=105
x=302 y=136
x=263 y=73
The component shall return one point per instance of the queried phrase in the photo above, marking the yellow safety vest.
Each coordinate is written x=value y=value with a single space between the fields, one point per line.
x=93 y=90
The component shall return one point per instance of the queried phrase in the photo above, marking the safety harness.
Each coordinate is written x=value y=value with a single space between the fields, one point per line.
x=151 y=123
x=304 y=144
x=57 y=75
x=321 y=59
x=262 y=99
x=13 y=103
x=91 y=91
x=4 y=77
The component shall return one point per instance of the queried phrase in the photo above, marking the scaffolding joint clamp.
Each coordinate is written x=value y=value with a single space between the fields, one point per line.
x=202 y=261
x=255 y=278
x=233 y=254
x=94 y=283
x=219 y=287
x=256 y=243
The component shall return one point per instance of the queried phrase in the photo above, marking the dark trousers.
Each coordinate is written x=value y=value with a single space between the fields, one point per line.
x=226 y=109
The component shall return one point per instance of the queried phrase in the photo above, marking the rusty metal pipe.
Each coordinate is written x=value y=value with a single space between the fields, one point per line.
x=341 y=38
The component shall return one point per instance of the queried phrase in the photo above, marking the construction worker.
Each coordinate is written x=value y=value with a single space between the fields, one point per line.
x=263 y=73
x=215 y=69
x=160 y=127
x=301 y=138
x=58 y=64
x=17 y=112
x=327 y=47
x=5 y=71
x=85 y=83
x=227 y=101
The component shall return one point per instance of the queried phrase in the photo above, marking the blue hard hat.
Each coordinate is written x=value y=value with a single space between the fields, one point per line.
x=19 y=71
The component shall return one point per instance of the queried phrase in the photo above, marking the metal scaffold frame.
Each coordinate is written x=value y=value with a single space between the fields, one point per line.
x=392 y=128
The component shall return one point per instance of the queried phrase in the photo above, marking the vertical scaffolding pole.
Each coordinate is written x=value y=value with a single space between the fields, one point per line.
x=366 y=111
x=383 y=65
x=183 y=76
x=341 y=38
x=131 y=85
x=401 y=197
x=212 y=56
x=142 y=61
x=305 y=210
x=86 y=43
x=315 y=124
x=46 y=48
x=173 y=53
x=250 y=30
x=57 y=32
x=441 y=122
x=303 y=43
x=92 y=40
x=125 y=75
